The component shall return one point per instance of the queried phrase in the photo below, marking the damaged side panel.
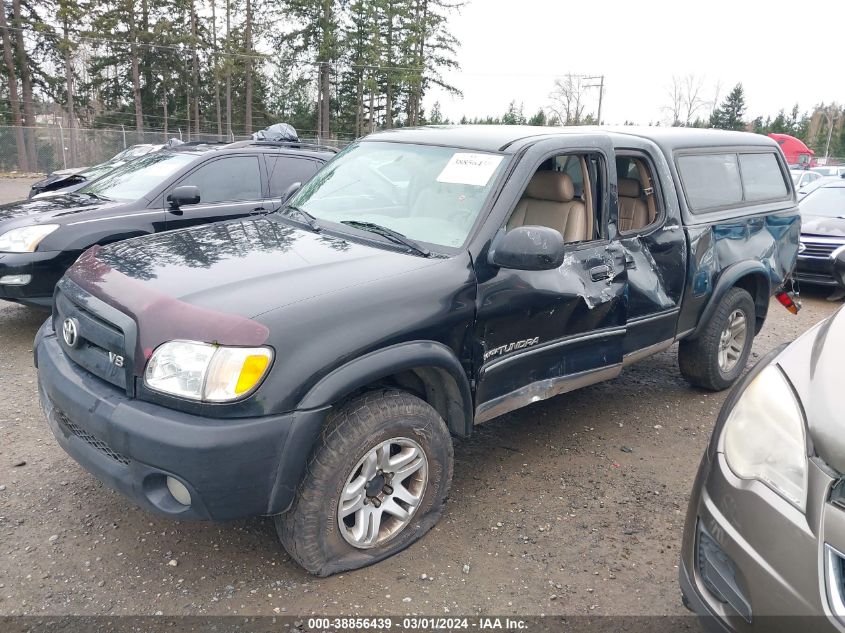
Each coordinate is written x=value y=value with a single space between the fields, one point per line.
x=757 y=251
x=541 y=330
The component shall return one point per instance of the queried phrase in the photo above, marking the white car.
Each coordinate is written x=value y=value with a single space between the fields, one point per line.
x=801 y=177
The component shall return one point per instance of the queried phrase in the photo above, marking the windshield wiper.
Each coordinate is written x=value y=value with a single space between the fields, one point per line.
x=97 y=196
x=310 y=220
x=393 y=236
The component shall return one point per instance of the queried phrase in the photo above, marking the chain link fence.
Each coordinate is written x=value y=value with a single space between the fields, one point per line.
x=57 y=147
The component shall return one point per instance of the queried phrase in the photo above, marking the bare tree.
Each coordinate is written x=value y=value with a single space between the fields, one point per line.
x=676 y=101
x=568 y=99
x=692 y=99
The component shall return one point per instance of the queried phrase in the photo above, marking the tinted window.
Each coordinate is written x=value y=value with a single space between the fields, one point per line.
x=710 y=180
x=761 y=177
x=286 y=170
x=227 y=179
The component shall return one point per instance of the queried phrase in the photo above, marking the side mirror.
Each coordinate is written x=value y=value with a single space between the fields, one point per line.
x=292 y=189
x=529 y=248
x=186 y=194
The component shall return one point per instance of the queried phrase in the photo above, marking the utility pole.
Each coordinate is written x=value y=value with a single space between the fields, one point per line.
x=600 y=86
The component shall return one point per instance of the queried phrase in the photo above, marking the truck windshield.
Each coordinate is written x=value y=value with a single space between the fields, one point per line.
x=137 y=178
x=826 y=201
x=427 y=193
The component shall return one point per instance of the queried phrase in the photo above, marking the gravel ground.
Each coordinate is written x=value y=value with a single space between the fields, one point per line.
x=570 y=506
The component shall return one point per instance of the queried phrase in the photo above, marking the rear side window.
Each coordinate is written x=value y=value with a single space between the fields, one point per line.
x=717 y=181
x=761 y=177
x=286 y=170
x=229 y=179
x=710 y=180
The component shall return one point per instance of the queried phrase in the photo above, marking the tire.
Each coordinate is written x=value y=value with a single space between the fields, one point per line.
x=699 y=359
x=311 y=530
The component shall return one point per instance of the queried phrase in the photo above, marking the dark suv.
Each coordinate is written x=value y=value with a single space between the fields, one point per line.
x=195 y=183
x=312 y=363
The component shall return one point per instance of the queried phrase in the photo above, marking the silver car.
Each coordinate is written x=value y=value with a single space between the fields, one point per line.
x=765 y=529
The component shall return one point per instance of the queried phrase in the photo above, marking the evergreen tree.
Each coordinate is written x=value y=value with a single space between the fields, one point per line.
x=729 y=115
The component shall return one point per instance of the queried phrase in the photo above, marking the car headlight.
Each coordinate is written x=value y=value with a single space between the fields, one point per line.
x=211 y=373
x=764 y=436
x=25 y=239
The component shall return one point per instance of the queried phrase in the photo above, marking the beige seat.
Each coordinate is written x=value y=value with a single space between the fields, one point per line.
x=633 y=212
x=549 y=201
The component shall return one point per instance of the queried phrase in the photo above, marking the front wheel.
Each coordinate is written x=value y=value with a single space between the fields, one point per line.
x=718 y=356
x=374 y=485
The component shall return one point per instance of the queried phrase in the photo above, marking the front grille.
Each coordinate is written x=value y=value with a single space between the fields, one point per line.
x=89 y=439
x=818 y=249
x=101 y=345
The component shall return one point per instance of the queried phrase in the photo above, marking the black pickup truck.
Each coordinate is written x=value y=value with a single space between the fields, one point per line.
x=312 y=363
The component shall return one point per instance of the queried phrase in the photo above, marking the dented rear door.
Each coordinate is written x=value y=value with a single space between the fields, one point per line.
x=542 y=333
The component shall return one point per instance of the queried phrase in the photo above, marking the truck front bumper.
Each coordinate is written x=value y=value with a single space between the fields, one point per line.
x=231 y=468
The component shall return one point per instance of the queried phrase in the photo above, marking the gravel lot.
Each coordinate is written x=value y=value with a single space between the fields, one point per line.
x=570 y=506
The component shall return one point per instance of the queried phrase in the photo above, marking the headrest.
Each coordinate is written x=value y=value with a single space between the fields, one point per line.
x=554 y=186
x=629 y=188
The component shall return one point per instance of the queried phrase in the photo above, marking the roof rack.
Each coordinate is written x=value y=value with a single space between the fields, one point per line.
x=194 y=144
x=292 y=144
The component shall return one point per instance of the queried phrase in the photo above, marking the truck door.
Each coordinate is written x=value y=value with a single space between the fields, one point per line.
x=653 y=239
x=542 y=333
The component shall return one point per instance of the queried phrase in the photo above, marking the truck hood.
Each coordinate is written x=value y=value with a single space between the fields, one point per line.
x=813 y=364
x=211 y=282
x=822 y=225
x=44 y=210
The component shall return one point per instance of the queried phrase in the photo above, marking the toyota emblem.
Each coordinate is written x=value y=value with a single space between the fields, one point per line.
x=70 y=331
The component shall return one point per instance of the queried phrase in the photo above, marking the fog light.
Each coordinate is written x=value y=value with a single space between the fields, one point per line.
x=179 y=492
x=15 y=280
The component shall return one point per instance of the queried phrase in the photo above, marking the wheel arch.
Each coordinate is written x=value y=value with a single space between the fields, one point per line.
x=752 y=277
x=428 y=369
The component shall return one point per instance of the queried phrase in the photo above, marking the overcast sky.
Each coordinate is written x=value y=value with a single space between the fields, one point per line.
x=514 y=49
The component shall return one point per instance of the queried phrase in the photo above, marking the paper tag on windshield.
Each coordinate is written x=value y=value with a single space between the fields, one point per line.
x=465 y=168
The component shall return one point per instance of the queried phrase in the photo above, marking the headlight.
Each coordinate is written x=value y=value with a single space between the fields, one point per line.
x=211 y=373
x=764 y=436
x=25 y=239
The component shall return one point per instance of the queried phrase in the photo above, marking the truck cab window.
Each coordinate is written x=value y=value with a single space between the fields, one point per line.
x=638 y=206
x=560 y=196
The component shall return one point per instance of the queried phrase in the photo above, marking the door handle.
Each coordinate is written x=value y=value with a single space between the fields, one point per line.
x=630 y=263
x=259 y=210
x=601 y=272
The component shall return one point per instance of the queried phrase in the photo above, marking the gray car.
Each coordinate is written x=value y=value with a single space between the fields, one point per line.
x=765 y=529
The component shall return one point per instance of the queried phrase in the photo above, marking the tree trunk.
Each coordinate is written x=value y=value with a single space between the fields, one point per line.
x=388 y=91
x=164 y=108
x=228 y=71
x=71 y=114
x=23 y=162
x=325 y=71
x=248 y=69
x=195 y=70
x=136 y=73
x=216 y=69
x=26 y=85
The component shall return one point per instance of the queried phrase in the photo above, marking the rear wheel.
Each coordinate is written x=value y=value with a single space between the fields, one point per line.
x=717 y=357
x=374 y=485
